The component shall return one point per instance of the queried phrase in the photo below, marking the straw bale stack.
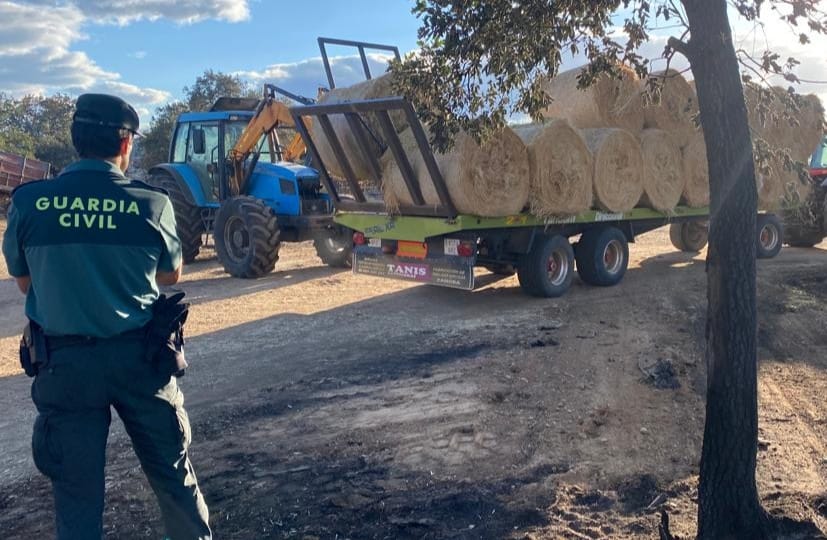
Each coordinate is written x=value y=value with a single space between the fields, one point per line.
x=676 y=109
x=618 y=168
x=663 y=178
x=609 y=102
x=696 y=173
x=560 y=166
x=369 y=89
x=488 y=180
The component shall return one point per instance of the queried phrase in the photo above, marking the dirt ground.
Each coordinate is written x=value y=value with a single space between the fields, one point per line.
x=328 y=405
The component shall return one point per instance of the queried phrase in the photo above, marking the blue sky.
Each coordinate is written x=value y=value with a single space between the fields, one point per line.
x=147 y=50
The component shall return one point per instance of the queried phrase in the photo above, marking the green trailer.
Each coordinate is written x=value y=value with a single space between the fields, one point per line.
x=437 y=245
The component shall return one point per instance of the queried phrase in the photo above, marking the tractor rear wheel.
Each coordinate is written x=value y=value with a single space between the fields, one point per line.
x=246 y=237
x=803 y=226
x=188 y=222
x=335 y=247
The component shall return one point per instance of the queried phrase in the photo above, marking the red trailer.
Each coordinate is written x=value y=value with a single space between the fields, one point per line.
x=15 y=170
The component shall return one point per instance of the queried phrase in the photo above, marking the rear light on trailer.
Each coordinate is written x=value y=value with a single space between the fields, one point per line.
x=359 y=238
x=466 y=249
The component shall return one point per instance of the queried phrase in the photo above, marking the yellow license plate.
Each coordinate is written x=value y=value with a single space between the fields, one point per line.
x=414 y=250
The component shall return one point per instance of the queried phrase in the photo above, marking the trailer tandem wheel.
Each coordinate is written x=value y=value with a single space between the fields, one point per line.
x=602 y=256
x=689 y=236
x=770 y=236
x=335 y=247
x=547 y=269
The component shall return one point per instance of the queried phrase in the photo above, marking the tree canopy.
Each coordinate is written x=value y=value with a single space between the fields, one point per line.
x=38 y=127
x=208 y=87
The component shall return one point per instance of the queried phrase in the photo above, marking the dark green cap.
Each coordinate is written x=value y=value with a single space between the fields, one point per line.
x=106 y=110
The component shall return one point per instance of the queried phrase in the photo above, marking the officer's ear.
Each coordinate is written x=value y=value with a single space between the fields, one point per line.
x=126 y=145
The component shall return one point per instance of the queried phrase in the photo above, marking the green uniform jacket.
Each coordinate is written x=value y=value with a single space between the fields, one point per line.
x=92 y=241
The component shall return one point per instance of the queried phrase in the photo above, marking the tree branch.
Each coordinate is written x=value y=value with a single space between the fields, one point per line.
x=679 y=45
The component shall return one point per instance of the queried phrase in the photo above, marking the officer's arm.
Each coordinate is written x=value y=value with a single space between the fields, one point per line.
x=169 y=264
x=23 y=283
x=168 y=278
x=13 y=251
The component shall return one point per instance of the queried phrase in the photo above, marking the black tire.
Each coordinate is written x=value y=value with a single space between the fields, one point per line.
x=602 y=256
x=689 y=236
x=769 y=236
x=188 y=222
x=246 y=237
x=803 y=226
x=548 y=268
x=335 y=247
x=802 y=236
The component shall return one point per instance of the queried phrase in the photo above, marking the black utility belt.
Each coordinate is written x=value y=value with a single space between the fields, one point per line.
x=60 y=342
x=163 y=336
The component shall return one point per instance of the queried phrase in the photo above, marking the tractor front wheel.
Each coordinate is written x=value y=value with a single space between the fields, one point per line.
x=246 y=237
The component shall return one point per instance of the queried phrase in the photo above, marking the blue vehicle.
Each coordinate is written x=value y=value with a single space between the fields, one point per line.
x=229 y=176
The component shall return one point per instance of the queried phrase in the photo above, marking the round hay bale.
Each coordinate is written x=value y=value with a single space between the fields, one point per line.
x=696 y=173
x=560 y=166
x=770 y=184
x=676 y=109
x=369 y=89
x=663 y=177
x=787 y=122
x=810 y=131
x=796 y=192
x=609 y=102
x=618 y=168
x=488 y=180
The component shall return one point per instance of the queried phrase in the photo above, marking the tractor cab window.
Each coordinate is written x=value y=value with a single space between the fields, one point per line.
x=179 y=151
x=205 y=160
x=233 y=131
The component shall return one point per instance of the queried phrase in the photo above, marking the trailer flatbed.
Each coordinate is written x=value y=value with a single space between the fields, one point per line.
x=435 y=244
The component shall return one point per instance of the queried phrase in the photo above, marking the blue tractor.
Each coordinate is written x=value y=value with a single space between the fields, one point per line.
x=229 y=176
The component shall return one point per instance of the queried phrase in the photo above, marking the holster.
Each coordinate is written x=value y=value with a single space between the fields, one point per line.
x=34 y=352
x=165 y=335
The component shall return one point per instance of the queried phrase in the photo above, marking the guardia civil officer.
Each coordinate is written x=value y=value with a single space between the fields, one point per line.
x=89 y=249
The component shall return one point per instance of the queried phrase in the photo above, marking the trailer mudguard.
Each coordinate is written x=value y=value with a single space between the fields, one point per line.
x=187 y=180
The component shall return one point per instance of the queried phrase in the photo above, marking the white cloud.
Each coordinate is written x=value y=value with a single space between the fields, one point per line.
x=36 y=57
x=306 y=76
x=181 y=11
x=777 y=36
x=26 y=27
x=138 y=55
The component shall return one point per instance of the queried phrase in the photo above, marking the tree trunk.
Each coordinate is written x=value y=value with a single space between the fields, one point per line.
x=728 y=504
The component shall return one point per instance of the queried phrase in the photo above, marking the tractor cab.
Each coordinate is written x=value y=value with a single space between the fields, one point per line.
x=818 y=164
x=202 y=144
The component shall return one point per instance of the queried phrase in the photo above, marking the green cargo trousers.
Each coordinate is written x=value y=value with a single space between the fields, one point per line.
x=73 y=393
